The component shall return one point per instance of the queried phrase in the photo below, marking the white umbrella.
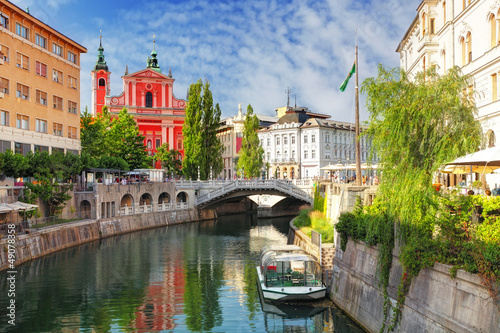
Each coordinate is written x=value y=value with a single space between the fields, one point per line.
x=332 y=167
x=488 y=156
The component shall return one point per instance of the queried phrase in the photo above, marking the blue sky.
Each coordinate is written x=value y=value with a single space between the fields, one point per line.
x=250 y=51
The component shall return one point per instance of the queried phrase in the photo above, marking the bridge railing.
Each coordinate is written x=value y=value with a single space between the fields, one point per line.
x=281 y=185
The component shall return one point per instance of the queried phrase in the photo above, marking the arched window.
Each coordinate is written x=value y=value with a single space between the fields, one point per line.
x=443 y=56
x=102 y=82
x=468 y=40
x=493 y=30
x=149 y=99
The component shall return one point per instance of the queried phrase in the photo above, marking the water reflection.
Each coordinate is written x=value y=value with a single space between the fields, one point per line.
x=194 y=277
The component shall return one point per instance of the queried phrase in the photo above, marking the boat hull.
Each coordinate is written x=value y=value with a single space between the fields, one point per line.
x=289 y=293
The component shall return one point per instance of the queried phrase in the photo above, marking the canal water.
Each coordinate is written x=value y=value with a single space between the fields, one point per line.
x=196 y=277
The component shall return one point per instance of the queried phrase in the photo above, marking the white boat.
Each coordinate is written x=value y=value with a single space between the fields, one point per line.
x=287 y=272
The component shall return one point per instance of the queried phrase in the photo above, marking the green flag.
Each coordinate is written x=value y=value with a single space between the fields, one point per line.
x=346 y=81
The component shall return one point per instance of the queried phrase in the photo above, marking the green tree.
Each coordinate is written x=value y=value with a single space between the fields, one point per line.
x=124 y=140
x=170 y=159
x=251 y=154
x=417 y=126
x=191 y=132
x=202 y=148
x=14 y=165
x=93 y=132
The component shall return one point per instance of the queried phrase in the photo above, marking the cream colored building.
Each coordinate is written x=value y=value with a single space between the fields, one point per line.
x=230 y=133
x=462 y=33
x=39 y=85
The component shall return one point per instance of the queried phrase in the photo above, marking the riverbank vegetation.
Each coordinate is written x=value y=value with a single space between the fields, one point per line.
x=417 y=126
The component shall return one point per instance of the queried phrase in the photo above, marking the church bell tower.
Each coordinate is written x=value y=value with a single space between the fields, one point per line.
x=100 y=81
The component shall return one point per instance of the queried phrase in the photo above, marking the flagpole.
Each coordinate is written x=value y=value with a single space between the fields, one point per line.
x=356 y=92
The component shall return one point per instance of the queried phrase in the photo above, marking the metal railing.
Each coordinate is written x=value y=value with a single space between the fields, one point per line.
x=283 y=186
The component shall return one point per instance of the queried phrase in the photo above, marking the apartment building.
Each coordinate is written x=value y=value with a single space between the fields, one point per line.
x=39 y=85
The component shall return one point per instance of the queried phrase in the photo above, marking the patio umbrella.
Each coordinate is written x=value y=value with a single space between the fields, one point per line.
x=488 y=156
x=461 y=169
x=332 y=167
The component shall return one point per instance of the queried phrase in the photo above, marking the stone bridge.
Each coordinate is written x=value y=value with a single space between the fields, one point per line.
x=224 y=190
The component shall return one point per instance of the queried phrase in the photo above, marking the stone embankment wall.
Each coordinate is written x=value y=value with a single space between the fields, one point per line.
x=434 y=303
x=55 y=238
x=297 y=237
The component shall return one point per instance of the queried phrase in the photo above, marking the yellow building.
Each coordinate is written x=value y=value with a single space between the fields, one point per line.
x=39 y=85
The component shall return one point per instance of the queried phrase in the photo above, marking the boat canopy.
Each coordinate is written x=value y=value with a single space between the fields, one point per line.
x=288 y=266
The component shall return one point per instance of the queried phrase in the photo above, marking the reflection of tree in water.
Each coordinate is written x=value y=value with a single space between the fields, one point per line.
x=204 y=278
x=250 y=289
x=73 y=288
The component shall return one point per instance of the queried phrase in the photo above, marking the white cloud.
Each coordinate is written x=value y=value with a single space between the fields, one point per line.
x=249 y=50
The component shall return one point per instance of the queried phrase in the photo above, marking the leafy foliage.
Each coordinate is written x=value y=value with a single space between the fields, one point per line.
x=202 y=148
x=170 y=159
x=417 y=126
x=251 y=159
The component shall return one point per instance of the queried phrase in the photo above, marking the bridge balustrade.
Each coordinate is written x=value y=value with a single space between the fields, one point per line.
x=145 y=209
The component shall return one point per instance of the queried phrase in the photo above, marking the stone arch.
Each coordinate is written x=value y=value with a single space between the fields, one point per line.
x=127 y=201
x=102 y=82
x=164 y=198
x=85 y=209
x=181 y=197
x=146 y=199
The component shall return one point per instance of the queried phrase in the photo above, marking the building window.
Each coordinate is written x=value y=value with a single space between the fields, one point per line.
x=494 y=92
x=22 y=61
x=468 y=40
x=5 y=52
x=57 y=102
x=102 y=82
x=493 y=32
x=21 y=148
x=39 y=149
x=277 y=140
x=72 y=83
x=57 y=76
x=23 y=122
x=444 y=11
x=41 y=41
x=327 y=156
x=313 y=138
x=58 y=129
x=293 y=155
x=41 y=125
x=268 y=141
x=432 y=26
x=57 y=49
x=4 y=118
x=40 y=69
x=72 y=132
x=179 y=144
x=41 y=97
x=285 y=140
x=293 y=139
x=305 y=138
x=72 y=107
x=424 y=27
x=313 y=154
x=72 y=57
x=158 y=143
x=262 y=142
x=305 y=154
x=22 y=31
x=56 y=150
x=23 y=91
x=4 y=21
x=4 y=85
x=149 y=99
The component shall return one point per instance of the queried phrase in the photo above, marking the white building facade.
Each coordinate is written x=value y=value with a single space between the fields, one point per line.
x=300 y=144
x=464 y=33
